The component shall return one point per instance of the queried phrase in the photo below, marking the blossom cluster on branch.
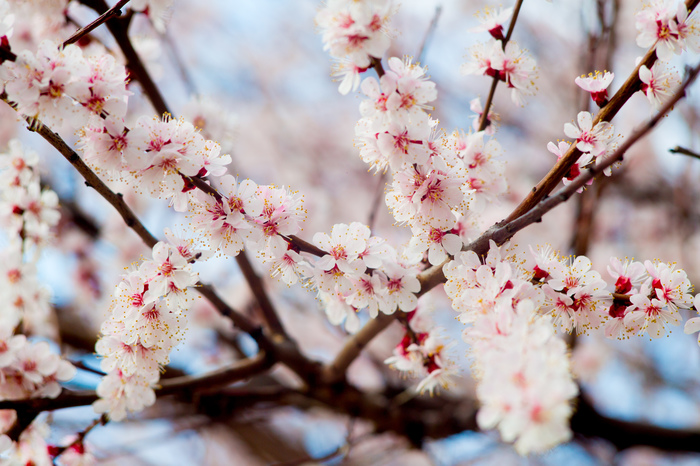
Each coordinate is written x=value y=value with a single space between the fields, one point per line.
x=148 y=319
x=514 y=308
x=28 y=368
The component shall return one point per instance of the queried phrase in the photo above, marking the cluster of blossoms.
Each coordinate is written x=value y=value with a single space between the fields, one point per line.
x=246 y=214
x=642 y=300
x=576 y=296
x=58 y=85
x=354 y=32
x=594 y=141
x=435 y=179
x=422 y=353
x=28 y=214
x=362 y=271
x=525 y=384
x=512 y=310
x=148 y=318
x=26 y=211
x=28 y=369
x=666 y=26
x=509 y=64
x=162 y=154
x=351 y=271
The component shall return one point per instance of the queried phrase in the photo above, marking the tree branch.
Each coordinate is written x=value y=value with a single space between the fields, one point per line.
x=500 y=233
x=429 y=34
x=587 y=422
x=257 y=287
x=483 y=123
x=177 y=385
x=109 y=14
x=335 y=371
x=607 y=113
x=684 y=151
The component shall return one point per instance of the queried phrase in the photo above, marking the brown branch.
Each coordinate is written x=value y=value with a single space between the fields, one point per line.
x=93 y=181
x=257 y=287
x=587 y=422
x=376 y=63
x=684 y=151
x=483 y=123
x=304 y=246
x=177 y=385
x=112 y=12
x=607 y=113
x=335 y=371
x=240 y=370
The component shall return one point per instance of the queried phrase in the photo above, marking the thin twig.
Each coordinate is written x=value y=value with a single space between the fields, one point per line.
x=304 y=246
x=684 y=151
x=429 y=33
x=80 y=438
x=483 y=123
x=112 y=12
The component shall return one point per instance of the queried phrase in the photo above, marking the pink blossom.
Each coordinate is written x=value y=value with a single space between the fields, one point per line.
x=658 y=84
x=657 y=27
x=597 y=84
x=595 y=140
x=492 y=21
x=584 y=160
x=356 y=30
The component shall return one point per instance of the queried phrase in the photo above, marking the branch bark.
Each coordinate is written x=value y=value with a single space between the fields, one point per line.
x=109 y=14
